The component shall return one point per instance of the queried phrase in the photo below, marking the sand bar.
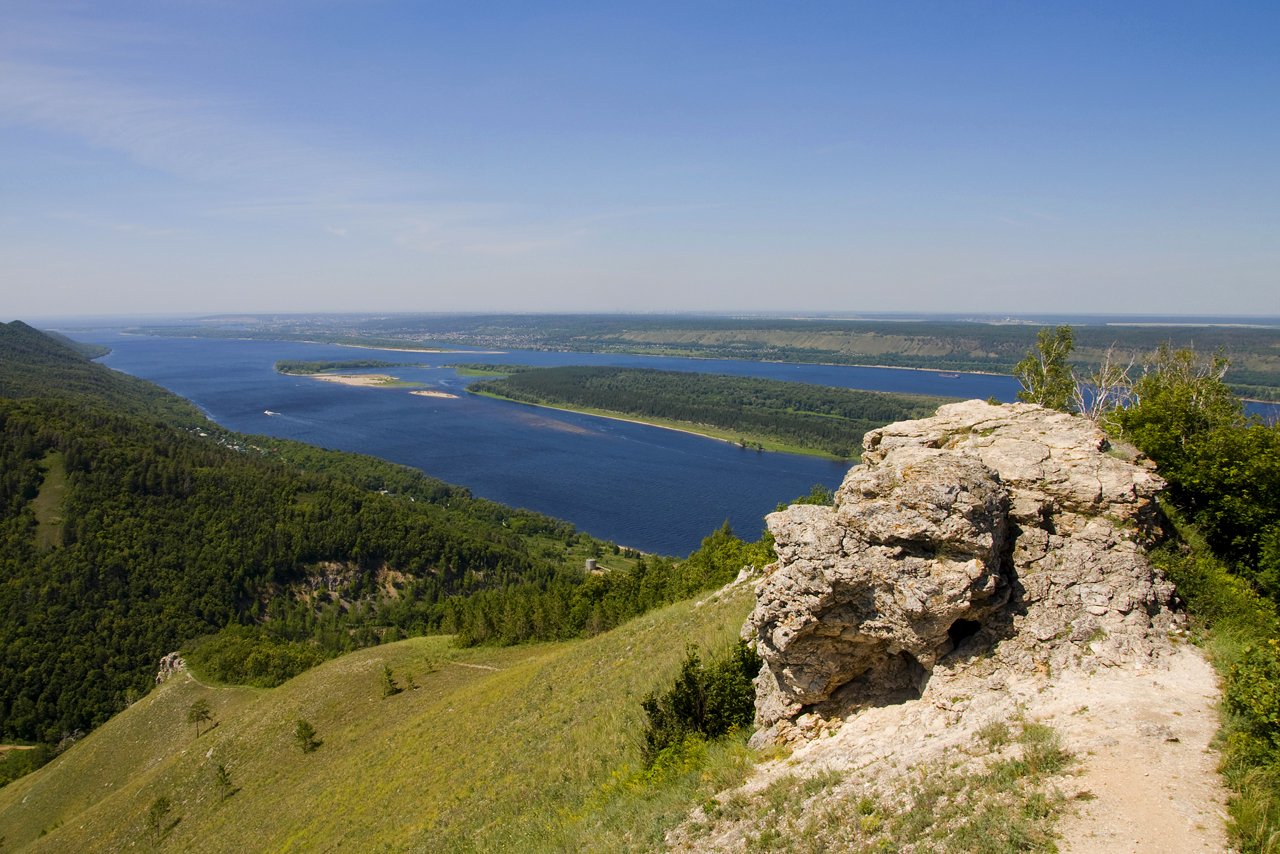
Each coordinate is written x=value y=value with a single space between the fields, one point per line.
x=356 y=379
x=434 y=394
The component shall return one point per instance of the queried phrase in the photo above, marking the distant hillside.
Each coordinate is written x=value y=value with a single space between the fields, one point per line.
x=36 y=365
x=523 y=749
x=89 y=351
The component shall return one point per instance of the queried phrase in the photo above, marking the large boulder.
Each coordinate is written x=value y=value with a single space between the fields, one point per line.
x=1009 y=531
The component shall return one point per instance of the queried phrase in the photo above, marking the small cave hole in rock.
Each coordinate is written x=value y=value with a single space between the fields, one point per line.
x=962 y=629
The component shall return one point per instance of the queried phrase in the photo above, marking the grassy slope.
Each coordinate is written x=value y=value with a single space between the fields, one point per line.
x=474 y=759
x=47 y=504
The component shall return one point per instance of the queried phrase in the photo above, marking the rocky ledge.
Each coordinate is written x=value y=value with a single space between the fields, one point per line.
x=986 y=539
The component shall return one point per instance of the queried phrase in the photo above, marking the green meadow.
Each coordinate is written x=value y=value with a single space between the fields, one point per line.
x=525 y=748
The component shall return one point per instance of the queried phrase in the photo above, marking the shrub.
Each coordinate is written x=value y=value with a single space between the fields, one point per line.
x=704 y=702
x=389 y=685
x=222 y=777
x=156 y=813
x=1245 y=634
x=1252 y=691
x=305 y=736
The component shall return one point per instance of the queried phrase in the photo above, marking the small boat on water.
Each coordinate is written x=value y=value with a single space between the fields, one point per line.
x=949 y=376
x=269 y=412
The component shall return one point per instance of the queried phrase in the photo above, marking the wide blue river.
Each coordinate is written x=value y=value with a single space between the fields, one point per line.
x=646 y=487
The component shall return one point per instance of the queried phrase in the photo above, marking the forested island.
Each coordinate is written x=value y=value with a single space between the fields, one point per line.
x=761 y=413
x=304 y=369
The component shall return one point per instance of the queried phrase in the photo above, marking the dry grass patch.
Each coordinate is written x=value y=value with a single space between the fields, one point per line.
x=1009 y=805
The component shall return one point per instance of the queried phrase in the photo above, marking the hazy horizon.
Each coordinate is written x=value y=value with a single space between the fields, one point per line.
x=301 y=156
x=128 y=320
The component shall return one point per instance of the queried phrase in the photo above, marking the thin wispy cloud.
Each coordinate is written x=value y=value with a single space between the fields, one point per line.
x=191 y=138
x=238 y=167
x=352 y=145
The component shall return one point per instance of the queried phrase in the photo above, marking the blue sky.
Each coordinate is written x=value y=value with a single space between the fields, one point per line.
x=319 y=155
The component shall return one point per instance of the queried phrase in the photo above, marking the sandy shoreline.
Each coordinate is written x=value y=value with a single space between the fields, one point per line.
x=377 y=380
x=356 y=379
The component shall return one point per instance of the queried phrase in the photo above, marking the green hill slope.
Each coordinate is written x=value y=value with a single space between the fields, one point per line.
x=36 y=365
x=523 y=748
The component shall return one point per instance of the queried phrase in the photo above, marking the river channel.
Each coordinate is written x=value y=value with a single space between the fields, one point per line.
x=649 y=488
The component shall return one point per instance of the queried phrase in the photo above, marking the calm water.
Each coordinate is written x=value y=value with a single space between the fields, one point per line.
x=645 y=487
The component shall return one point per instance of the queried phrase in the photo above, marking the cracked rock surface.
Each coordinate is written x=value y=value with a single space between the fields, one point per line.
x=1011 y=534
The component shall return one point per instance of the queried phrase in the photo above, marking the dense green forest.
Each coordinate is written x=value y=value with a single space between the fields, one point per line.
x=308 y=368
x=832 y=420
x=163 y=536
x=489 y=368
x=944 y=345
x=525 y=612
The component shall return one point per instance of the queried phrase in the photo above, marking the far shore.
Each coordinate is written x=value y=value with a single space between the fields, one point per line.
x=404 y=349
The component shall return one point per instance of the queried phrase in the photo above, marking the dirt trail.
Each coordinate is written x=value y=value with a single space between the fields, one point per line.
x=1144 y=747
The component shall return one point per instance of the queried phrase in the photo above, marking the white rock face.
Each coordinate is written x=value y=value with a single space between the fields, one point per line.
x=1008 y=532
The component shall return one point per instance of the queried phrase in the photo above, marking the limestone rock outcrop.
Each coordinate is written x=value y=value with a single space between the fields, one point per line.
x=169 y=665
x=1010 y=532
